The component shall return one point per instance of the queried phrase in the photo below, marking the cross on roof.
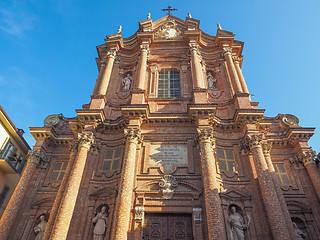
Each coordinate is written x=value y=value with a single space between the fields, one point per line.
x=169 y=9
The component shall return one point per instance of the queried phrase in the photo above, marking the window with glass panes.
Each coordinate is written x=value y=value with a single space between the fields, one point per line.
x=226 y=160
x=281 y=173
x=58 y=171
x=169 y=83
x=112 y=159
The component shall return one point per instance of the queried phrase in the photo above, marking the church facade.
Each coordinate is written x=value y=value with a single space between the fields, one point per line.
x=169 y=147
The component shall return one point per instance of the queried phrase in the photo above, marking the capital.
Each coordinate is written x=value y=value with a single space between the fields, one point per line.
x=39 y=158
x=227 y=51
x=112 y=53
x=205 y=135
x=252 y=140
x=139 y=213
x=193 y=46
x=85 y=140
x=236 y=60
x=266 y=147
x=307 y=157
x=133 y=135
x=73 y=146
x=144 y=48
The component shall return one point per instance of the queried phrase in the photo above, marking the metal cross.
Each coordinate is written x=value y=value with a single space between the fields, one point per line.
x=169 y=9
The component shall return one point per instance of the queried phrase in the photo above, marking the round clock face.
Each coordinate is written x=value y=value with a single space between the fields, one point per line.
x=170 y=32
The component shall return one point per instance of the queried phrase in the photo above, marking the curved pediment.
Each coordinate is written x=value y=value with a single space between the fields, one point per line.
x=236 y=193
x=104 y=193
x=296 y=206
x=153 y=185
x=44 y=202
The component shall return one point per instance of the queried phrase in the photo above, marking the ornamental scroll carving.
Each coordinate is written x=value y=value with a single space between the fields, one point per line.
x=144 y=48
x=266 y=147
x=301 y=159
x=168 y=183
x=39 y=158
x=169 y=30
x=138 y=213
x=290 y=119
x=205 y=135
x=112 y=53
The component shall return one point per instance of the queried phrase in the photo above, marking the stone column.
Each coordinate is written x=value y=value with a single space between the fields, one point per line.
x=307 y=158
x=124 y=198
x=232 y=70
x=141 y=76
x=36 y=158
x=214 y=215
x=197 y=73
x=67 y=205
x=266 y=147
x=103 y=82
x=62 y=187
x=274 y=212
x=243 y=84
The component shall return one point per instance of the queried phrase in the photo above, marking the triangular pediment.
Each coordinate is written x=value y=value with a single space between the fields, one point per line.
x=235 y=193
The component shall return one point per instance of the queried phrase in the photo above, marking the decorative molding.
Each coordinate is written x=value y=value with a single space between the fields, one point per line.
x=205 y=135
x=253 y=140
x=73 y=146
x=169 y=30
x=39 y=158
x=197 y=214
x=227 y=51
x=144 y=48
x=111 y=53
x=290 y=120
x=307 y=157
x=168 y=183
x=236 y=60
x=266 y=147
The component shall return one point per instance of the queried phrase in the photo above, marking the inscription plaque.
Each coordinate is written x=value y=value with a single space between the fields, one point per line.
x=169 y=156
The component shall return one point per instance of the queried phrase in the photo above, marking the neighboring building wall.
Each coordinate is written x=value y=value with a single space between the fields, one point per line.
x=13 y=152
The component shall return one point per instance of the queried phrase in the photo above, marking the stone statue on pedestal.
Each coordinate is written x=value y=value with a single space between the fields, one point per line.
x=40 y=228
x=100 y=221
x=237 y=225
x=211 y=81
x=126 y=82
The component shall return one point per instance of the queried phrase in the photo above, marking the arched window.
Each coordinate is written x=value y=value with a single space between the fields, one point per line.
x=169 y=83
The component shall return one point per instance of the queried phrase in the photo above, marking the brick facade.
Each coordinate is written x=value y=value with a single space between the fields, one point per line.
x=155 y=164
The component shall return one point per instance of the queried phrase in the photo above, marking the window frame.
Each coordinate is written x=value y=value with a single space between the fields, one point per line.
x=169 y=83
x=226 y=161
x=279 y=174
x=60 y=171
x=112 y=160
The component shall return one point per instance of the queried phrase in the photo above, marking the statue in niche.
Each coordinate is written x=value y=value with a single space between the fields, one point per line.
x=100 y=221
x=299 y=233
x=211 y=81
x=237 y=224
x=40 y=228
x=126 y=82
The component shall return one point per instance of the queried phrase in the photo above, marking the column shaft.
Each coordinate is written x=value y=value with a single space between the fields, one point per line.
x=232 y=70
x=59 y=196
x=197 y=74
x=12 y=209
x=314 y=175
x=282 y=201
x=105 y=78
x=102 y=70
x=124 y=198
x=141 y=76
x=241 y=78
x=268 y=192
x=213 y=210
x=67 y=205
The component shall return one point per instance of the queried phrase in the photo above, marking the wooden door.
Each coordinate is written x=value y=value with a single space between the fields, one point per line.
x=162 y=226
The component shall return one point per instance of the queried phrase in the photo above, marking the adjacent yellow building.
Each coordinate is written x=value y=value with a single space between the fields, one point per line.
x=13 y=152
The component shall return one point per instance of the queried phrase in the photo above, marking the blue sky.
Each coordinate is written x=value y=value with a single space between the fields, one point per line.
x=47 y=52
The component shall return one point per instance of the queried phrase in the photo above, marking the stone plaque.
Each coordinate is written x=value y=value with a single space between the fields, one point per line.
x=169 y=156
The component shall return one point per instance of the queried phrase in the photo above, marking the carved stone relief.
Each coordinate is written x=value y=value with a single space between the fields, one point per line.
x=168 y=183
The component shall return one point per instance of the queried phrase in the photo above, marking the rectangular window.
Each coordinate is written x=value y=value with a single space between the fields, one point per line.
x=3 y=194
x=9 y=152
x=281 y=173
x=21 y=162
x=169 y=83
x=226 y=160
x=58 y=171
x=112 y=159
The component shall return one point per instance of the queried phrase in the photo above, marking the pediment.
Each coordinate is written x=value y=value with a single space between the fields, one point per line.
x=44 y=202
x=104 y=193
x=169 y=21
x=154 y=186
x=236 y=193
x=296 y=206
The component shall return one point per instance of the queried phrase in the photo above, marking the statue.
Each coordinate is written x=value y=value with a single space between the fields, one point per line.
x=299 y=233
x=100 y=221
x=237 y=225
x=119 y=29
x=219 y=26
x=189 y=15
x=211 y=81
x=149 y=16
x=39 y=229
x=126 y=83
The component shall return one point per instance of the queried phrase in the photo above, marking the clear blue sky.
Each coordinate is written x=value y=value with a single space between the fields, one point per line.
x=47 y=52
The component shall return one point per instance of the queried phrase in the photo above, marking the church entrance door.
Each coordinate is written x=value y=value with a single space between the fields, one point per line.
x=165 y=226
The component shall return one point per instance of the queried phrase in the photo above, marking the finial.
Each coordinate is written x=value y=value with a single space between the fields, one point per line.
x=169 y=9
x=189 y=15
x=219 y=26
x=119 y=29
x=149 y=16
